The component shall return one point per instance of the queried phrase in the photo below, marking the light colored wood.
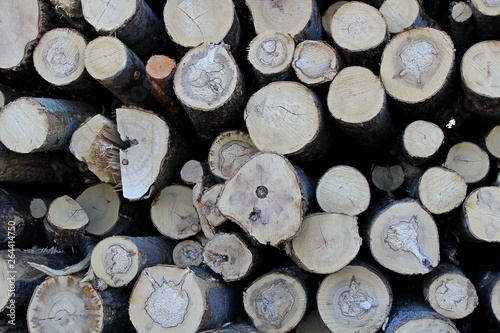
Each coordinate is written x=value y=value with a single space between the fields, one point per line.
x=403 y=237
x=404 y=15
x=357 y=298
x=71 y=10
x=388 y=178
x=229 y=151
x=487 y=16
x=271 y=54
x=336 y=238
x=199 y=190
x=210 y=87
x=315 y=62
x=421 y=141
x=480 y=216
x=287 y=117
x=192 y=171
x=173 y=214
x=46 y=124
x=312 y=323
x=343 y=189
x=326 y=18
x=188 y=253
x=488 y=288
x=492 y=142
x=173 y=299
x=39 y=207
x=208 y=201
x=462 y=28
x=469 y=160
x=265 y=197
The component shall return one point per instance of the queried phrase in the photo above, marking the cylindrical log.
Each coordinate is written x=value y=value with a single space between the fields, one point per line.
x=235 y=328
x=388 y=178
x=312 y=323
x=8 y=94
x=421 y=141
x=31 y=124
x=210 y=88
x=488 y=289
x=188 y=253
x=469 y=160
x=208 y=203
x=492 y=142
x=326 y=18
x=172 y=299
x=39 y=207
x=336 y=240
x=487 y=16
x=192 y=171
x=402 y=15
x=287 y=118
x=481 y=215
x=206 y=182
x=462 y=28
x=357 y=298
x=71 y=10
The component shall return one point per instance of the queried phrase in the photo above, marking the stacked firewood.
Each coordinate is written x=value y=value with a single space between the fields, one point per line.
x=249 y=166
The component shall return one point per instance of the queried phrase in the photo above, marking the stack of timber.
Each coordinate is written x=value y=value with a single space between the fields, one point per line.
x=249 y=166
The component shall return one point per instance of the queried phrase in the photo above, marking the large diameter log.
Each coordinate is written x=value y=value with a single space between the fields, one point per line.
x=210 y=87
x=315 y=62
x=421 y=141
x=403 y=237
x=415 y=70
x=131 y=21
x=64 y=304
x=45 y=124
x=357 y=298
x=337 y=243
x=481 y=215
x=487 y=16
x=469 y=160
x=286 y=117
x=173 y=299
x=266 y=198
x=404 y=15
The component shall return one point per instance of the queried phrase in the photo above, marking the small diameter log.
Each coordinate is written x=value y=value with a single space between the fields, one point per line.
x=404 y=15
x=302 y=20
x=131 y=21
x=481 y=215
x=315 y=62
x=336 y=240
x=469 y=160
x=488 y=289
x=440 y=190
x=271 y=54
x=462 y=27
x=277 y=301
x=65 y=304
x=64 y=220
x=210 y=87
x=119 y=260
x=403 y=237
x=173 y=299
x=39 y=207
x=357 y=298
x=229 y=151
x=388 y=178
x=326 y=18
x=188 y=253
x=45 y=124
x=421 y=141
x=232 y=256
x=266 y=198
x=109 y=214
x=235 y=328
x=155 y=154
x=480 y=73
x=173 y=214
x=356 y=99
x=359 y=31
x=487 y=16
x=343 y=189
x=416 y=68
x=190 y=23
x=116 y=67
x=192 y=171
x=287 y=117
x=449 y=292
x=492 y=142
x=312 y=323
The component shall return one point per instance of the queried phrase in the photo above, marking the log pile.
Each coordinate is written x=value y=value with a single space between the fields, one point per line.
x=249 y=166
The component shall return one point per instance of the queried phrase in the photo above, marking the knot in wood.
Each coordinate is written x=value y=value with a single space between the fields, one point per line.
x=261 y=191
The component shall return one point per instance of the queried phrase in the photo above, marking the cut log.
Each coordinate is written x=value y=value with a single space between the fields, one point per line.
x=8 y=94
x=287 y=118
x=119 y=260
x=487 y=16
x=173 y=214
x=336 y=240
x=71 y=10
x=388 y=178
x=301 y=20
x=64 y=220
x=172 y=299
x=154 y=157
x=440 y=190
x=312 y=323
x=421 y=141
x=405 y=15
x=481 y=79
x=462 y=28
x=131 y=21
x=188 y=253
x=39 y=207
x=229 y=151
x=449 y=292
x=277 y=301
x=357 y=298
x=492 y=142
x=271 y=54
x=199 y=190
x=315 y=62
x=208 y=202
x=416 y=68
x=116 y=67
x=488 y=288
x=403 y=237
x=192 y=171
x=190 y=23
x=210 y=88
x=357 y=101
x=109 y=214
x=235 y=328
x=343 y=189
x=360 y=33
x=266 y=198
x=46 y=124
x=481 y=215
x=469 y=160
x=65 y=304
x=326 y=18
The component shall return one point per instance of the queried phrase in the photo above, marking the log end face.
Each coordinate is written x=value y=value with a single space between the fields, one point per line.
x=481 y=69
x=105 y=57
